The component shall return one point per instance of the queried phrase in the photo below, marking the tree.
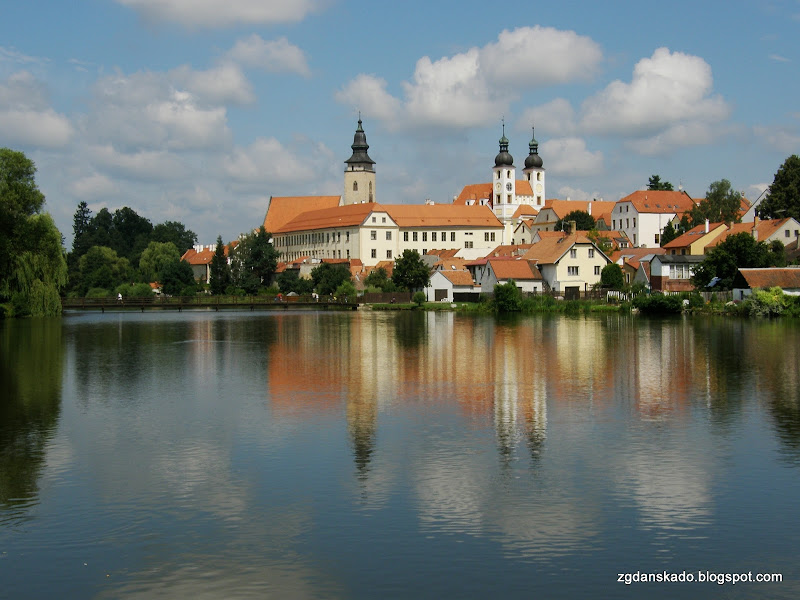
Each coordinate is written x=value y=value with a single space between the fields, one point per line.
x=410 y=271
x=378 y=278
x=172 y=231
x=155 y=258
x=507 y=297
x=327 y=277
x=290 y=281
x=80 y=227
x=101 y=267
x=583 y=221
x=254 y=261
x=220 y=276
x=176 y=277
x=733 y=253
x=655 y=183
x=669 y=234
x=611 y=277
x=130 y=233
x=722 y=204
x=783 y=198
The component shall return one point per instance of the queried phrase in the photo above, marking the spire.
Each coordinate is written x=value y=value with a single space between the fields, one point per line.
x=534 y=161
x=504 y=158
x=360 y=147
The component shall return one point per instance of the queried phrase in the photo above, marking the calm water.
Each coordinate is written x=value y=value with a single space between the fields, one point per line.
x=380 y=455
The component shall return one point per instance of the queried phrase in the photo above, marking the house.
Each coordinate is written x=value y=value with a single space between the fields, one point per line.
x=199 y=258
x=763 y=230
x=673 y=272
x=631 y=260
x=555 y=210
x=696 y=239
x=447 y=286
x=491 y=271
x=747 y=280
x=570 y=264
x=643 y=214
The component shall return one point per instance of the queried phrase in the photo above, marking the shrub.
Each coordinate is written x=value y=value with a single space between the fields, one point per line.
x=346 y=292
x=766 y=303
x=418 y=298
x=97 y=293
x=507 y=297
x=659 y=304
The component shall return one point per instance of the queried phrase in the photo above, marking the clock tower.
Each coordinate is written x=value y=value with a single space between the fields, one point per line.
x=534 y=172
x=504 y=199
x=359 y=174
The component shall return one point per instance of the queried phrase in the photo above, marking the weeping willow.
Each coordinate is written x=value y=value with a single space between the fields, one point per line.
x=39 y=271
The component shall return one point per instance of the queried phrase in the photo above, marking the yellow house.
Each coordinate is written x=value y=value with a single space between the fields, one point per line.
x=694 y=241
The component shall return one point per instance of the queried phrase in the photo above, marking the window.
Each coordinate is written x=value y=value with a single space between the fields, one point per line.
x=348 y=253
x=355 y=186
x=572 y=271
x=424 y=236
x=787 y=233
x=374 y=219
x=414 y=236
x=486 y=237
x=388 y=235
x=433 y=236
x=627 y=223
x=634 y=221
x=389 y=254
x=374 y=253
x=383 y=219
x=346 y=236
x=491 y=236
x=683 y=251
x=658 y=239
x=597 y=269
x=573 y=253
x=452 y=236
x=373 y=235
x=591 y=252
x=405 y=236
x=468 y=244
x=679 y=272
x=444 y=236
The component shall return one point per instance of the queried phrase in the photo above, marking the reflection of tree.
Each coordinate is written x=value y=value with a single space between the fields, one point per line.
x=411 y=328
x=361 y=421
x=786 y=414
x=31 y=361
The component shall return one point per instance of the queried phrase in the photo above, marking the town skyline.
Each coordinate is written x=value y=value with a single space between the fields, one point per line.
x=201 y=116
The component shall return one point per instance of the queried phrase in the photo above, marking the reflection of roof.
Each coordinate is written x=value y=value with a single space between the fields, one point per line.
x=787 y=277
x=660 y=201
x=283 y=209
x=518 y=270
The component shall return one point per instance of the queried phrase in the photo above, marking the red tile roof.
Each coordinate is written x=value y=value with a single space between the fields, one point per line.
x=787 y=278
x=660 y=201
x=518 y=270
x=691 y=236
x=458 y=277
x=441 y=215
x=483 y=191
x=283 y=209
x=550 y=249
x=764 y=227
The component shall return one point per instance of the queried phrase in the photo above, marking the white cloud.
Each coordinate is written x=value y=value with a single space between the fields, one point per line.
x=470 y=88
x=680 y=135
x=368 y=94
x=223 y=83
x=779 y=138
x=93 y=186
x=26 y=118
x=224 y=13
x=667 y=88
x=145 y=165
x=570 y=193
x=14 y=56
x=274 y=56
x=540 y=56
x=266 y=159
x=557 y=115
x=569 y=156
x=779 y=58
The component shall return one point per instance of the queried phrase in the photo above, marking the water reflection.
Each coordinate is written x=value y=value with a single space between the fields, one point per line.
x=31 y=365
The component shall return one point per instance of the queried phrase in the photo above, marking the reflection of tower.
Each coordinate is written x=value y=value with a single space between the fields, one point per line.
x=359 y=174
x=535 y=411
x=362 y=423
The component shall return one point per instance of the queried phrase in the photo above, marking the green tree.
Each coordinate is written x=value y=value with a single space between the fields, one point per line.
x=155 y=258
x=735 y=252
x=130 y=233
x=655 y=183
x=722 y=204
x=669 y=234
x=175 y=232
x=583 y=221
x=290 y=281
x=378 y=278
x=603 y=243
x=101 y=267
x=783 y=198
x=346 y=292
x=254 y=261
x=611 y=277
x=80 y=227
x=177 y=278
x=410 y=271
x=507 y=297
x=327 y=277
x=220 y=276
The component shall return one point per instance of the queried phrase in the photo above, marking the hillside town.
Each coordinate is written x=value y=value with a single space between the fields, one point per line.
x=507 y=229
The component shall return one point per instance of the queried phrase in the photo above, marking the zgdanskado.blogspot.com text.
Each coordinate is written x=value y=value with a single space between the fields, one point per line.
x=699 y=577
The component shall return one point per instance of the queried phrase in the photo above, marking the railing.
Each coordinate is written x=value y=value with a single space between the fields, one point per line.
x=216 y=302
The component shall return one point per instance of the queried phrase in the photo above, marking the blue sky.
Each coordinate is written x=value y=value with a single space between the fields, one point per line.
x=200 y=110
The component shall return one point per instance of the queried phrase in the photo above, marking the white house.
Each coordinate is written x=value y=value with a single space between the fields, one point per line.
x=644 y=214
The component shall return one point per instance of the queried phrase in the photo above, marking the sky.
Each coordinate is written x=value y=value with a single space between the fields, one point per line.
x=199 y=111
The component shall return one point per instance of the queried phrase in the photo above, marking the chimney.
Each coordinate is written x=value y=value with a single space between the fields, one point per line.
x=755 y=228
x=706 y=225
x=590 y=208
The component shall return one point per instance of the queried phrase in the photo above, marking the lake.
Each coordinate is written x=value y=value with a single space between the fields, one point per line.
x=397 y=455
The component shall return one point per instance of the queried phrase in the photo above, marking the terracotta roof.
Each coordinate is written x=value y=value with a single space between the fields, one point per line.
x=351 y=215
x=283 y=209
x=450 y=264
x=441 y=215
x=550 y=249
x=634 y=253
x=660 y=201
x=787 y=278
x=458 y=277
x=764 y=227
x=692 y=235
x=525 y=210
x=442 y=254
x=509 y=250
x=193 y=257
x=483 y=191
x=518 y=270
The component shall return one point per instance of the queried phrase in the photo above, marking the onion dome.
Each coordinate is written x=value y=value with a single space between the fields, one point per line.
x=533 y=161
x=360 y=148
x=504 y=159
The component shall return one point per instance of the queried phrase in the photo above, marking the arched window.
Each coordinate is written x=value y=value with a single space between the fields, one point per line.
x=355 y=186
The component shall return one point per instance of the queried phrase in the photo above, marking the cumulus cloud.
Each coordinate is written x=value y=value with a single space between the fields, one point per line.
x=145 y=165
x=224 y=13
x=469 y=88
x=556 y=115
x=368 y=93
x=148 y=110
x=668 y=88
x=218 y=85
x=26 y=118
x=569 y=156
x=274 y=56
x=93 y=186
x=266 y=159
x=570 y=193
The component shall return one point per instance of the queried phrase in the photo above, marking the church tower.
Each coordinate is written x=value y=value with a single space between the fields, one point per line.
x=534 y=172
x=359 y=174
x=503 y=183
